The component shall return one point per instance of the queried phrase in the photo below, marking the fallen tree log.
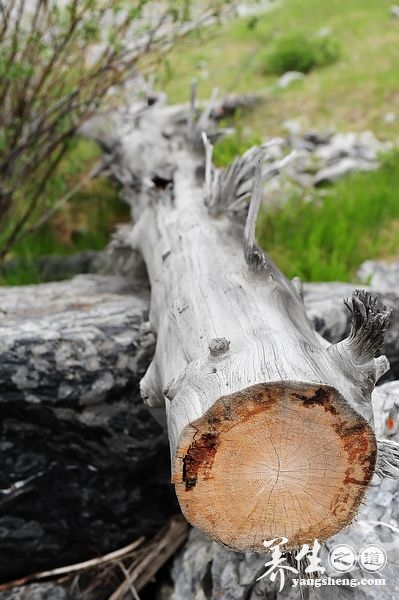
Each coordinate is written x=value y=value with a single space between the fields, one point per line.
x=203 y=567
x=95 y=321
x=86 y=307
x=205 y=570
x=246 y=381
x=84 y=466
x=107 y=432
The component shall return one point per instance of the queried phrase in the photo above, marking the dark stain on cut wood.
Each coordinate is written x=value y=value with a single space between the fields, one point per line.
x=359 y=443
x=339 y=506
x=262 y=401
x=362 y=482
x=345 y=430
x=200 y=456
x=321 y=397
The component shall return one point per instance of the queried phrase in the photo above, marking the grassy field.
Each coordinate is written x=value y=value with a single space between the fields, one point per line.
x=329 y=238
x=353 y=94
x=324 y=240
x=358 y=219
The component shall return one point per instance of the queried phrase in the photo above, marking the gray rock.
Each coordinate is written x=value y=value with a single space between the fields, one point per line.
x=37 y=591
x=368 y=139
x=345 y=166
x=389 y=118
x=85 y=466
x=323 y=158
x=288 y=78
x=305 y=162
x=342 y=145
x=318 y=138
x=380 y=275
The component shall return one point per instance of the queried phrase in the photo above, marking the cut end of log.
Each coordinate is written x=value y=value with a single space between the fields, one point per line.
x=274 y=460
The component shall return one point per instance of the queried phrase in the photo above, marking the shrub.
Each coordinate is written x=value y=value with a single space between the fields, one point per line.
x=296 y=52
x=58 y=61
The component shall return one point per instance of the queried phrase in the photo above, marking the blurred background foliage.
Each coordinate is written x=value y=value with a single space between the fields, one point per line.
x=61 y=62
x=347 y=50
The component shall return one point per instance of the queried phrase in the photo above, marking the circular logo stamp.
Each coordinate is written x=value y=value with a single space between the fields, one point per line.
x=372 y=558
x=342 y=558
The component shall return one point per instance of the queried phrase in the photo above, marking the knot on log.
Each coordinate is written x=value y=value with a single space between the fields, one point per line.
x=147 y=340
x=218 y=346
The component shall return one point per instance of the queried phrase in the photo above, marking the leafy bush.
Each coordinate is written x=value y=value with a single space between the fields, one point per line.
x=296 y=52
x=58 y=62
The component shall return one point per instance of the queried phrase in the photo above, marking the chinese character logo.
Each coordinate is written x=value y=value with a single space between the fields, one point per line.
x=276 y=564
x=372 y=558
x=342 y=558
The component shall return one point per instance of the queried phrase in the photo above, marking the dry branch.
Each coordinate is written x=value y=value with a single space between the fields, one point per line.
x=139 y=562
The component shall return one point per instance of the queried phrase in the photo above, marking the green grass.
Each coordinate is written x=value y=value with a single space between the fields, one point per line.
x=234 y=144
x=354 y=93
x=327 y=239
x=85 y=223
x=300 y=52
x=358 y=218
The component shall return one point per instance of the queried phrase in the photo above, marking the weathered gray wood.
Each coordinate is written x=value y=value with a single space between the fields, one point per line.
x=84 y=465
x=228 y=322
x=76 y=309
x=324 y=307
x=72 y=342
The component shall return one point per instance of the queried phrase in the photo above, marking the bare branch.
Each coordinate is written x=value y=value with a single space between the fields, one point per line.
x=208 y=168
x=42 y=98
x=87 y=564
x=254 y=256
x=369 y=324
x=197 y=128
x=192 y=111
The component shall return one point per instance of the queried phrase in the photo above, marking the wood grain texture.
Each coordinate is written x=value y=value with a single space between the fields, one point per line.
x=227 y=322
x=294 y=453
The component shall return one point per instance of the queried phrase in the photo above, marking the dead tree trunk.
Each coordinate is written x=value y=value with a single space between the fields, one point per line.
x=270 y=426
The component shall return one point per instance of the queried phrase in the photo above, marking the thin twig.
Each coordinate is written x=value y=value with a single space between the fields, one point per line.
x=163 y=546
x=98 y=167
x=129 y=581
x=93 y=562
